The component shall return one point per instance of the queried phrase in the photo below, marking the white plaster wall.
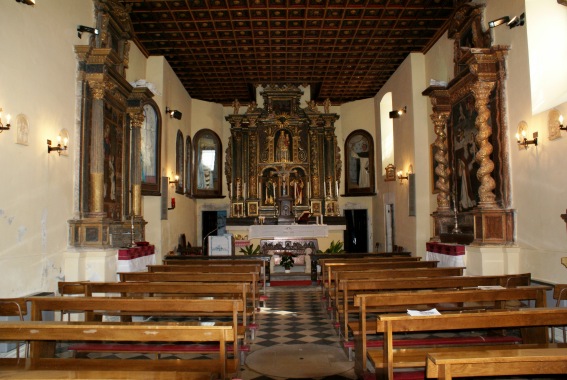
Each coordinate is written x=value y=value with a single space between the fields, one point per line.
x=402 y=89
x=37 y=80
x=207 y=115
x=360 y=114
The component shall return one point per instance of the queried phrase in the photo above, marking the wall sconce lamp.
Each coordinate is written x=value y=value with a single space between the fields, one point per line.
x=401 y=175
x=86 y=29
x=2 y=126
x=58 y=148
x=27 y=2
x=561 y=127
x=511 y=22
x=397 y=113
x=174 y=114
x=523 y=140
x=175 y=181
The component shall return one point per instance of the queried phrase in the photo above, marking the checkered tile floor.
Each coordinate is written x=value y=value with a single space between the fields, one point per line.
x=293 y=315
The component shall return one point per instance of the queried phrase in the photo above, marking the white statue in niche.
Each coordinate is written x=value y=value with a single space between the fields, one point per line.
x=22 y=135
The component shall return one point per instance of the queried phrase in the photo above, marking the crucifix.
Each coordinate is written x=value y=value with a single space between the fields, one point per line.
x=283 y=174
x=285 y=200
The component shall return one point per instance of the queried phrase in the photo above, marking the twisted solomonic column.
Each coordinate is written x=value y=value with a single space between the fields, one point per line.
x=442 y=169
x=481 y=91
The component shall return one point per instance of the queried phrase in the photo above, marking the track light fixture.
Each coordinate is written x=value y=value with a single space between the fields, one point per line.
x=174 y=114
x=511 y=22
x=86 y=29
x=397 y=113
x=27 y=2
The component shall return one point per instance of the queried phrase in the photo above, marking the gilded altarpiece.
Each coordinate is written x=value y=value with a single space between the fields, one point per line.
x=471 y=158
x=111 y=115
x=282 y=158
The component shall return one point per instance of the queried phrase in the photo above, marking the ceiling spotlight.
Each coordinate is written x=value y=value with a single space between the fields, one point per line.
x=174 y=114
x=511 y=22
x=397 y=113
x=517 y=21
x=499 y=21
x=86 y=29
x=27 y=2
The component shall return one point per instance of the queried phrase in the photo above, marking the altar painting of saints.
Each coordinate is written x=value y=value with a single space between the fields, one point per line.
x=283 y=146
x=464 y=148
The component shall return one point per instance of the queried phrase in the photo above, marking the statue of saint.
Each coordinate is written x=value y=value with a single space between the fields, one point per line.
x=282 y=152
x=297 y=184
x=270 y=192
x=235 y=106
x=327 y=105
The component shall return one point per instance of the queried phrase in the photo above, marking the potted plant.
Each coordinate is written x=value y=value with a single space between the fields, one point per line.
x=249 y=250
x=334 y=248
x=287 y=261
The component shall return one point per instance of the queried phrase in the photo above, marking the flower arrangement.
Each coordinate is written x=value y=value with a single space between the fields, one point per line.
x=287 y=260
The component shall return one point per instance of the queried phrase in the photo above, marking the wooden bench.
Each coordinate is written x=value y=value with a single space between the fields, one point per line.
x=464 y=301
x=494 y=362
x=327 y=268
x=95 y=307
x=250 y=277
x=348 y=288
x=50 y=332
x=344 y=273
x=231 y=290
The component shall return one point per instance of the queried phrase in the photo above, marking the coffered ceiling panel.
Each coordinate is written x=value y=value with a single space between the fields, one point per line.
x=345 y=49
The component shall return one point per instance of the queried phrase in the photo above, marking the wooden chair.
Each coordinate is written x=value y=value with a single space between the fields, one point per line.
x=559 y=294
x=71 y=288
x=14 y=307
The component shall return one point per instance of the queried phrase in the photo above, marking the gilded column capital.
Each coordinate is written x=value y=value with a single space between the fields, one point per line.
x=137 y=119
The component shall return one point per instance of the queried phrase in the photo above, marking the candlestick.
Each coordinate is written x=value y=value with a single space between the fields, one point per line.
x=337 y=189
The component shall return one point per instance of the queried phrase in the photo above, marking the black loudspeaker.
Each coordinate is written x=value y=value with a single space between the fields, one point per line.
x=356 y=233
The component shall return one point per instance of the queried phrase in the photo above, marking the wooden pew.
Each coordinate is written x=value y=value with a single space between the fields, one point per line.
x=348 y=288
x=95 y=307
x=50 y=332
x=447 y=300
x=234 y=290
x=256 y=267
x=330 y=267
x=494 y=362
x=344 y=273
x=251 y=278
x=357 y=260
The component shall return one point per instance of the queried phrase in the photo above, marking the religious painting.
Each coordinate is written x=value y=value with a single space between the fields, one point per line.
x=237 y=210
x=179 y=161
x=188 y=163
x=316 y=208
x=465 y=190
x=150 y=134
x=359 y=162
x=206 y=178
x=252 y=209
x=390 y=170
x=463 y=146
x=281 y=106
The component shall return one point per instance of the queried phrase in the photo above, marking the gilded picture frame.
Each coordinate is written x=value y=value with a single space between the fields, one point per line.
x=316 y=208
x=252 y=209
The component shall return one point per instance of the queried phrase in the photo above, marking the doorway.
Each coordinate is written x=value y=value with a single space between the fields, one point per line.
x=356 y=233
x=213 y=223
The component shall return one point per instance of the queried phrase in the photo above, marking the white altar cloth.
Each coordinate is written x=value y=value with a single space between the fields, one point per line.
x=259 y=231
